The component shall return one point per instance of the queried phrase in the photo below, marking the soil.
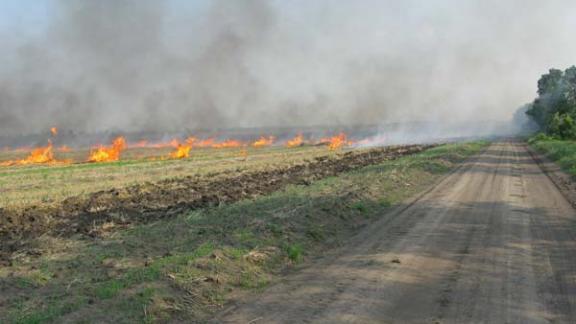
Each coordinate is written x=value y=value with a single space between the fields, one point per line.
x=96 y=213
x=491 y=243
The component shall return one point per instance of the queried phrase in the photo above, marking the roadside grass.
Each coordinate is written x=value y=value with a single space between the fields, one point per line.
x=563 y=152
x=187 y=267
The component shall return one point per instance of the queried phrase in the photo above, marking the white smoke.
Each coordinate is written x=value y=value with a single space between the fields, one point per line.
x=169 y=65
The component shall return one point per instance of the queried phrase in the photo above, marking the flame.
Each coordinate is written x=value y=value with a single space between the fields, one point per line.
x=263 y=141
x=174 y=143
x=296 y=141
x=140 y=144
x=39 y=155
x=209 y=142
x=191 y=140
x=182 y=151
x=336 y=142
x=227 y=144
x=107 y=154
x=54 y=131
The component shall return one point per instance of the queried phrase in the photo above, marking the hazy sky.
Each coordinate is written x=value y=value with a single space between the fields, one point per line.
x=177 y=64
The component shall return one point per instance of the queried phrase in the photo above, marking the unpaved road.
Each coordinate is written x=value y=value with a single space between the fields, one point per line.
x=495 y=242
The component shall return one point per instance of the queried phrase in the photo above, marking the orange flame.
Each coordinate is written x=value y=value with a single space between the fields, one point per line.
x=336 y=142
x=263 y=141
x=40 y=155
x=54 y=131
x=227 y=144
x=174 y=143
x=182 y=151
x=140 y=144
x=296 y=141
x=205 y=143
x=191 y=140
x=107 y=154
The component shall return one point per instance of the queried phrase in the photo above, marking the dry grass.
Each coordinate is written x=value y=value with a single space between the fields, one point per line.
x=30 y=185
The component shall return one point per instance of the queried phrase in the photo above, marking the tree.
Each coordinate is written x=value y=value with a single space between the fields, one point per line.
x=555 y=107
x=562 y=126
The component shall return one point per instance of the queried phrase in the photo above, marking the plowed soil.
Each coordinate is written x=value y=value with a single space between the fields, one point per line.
x=91 y=214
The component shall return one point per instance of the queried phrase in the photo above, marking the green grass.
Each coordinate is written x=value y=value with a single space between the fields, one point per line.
x=295 y=252
x=184 y=268
x=562 y=152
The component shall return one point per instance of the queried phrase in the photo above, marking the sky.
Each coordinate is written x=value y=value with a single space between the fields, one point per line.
x=162 y=65
x=27 y=16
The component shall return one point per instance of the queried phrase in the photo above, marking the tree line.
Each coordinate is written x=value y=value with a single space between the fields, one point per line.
x=554 y=110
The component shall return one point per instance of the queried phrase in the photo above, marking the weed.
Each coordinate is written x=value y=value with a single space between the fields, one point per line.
x=385 y=203
x=360 y=206
x=108 y=289
x=562 y=152
x=294 y=252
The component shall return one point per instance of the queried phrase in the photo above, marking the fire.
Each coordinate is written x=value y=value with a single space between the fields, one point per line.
x=263 y=141
x=54 y=131
x=205 y=143
x=174 y=143
x=296 y=141
x=227 y=144
x=39 y=155
x=191 y=140
x=209 y=142
x=107 y=154
x=140 y=144
x=182 y=151
x=337 y=142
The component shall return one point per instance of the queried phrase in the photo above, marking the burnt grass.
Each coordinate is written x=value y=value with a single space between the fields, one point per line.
x=92 y=214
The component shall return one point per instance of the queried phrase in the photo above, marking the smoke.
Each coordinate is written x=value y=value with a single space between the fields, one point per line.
x=151 y=65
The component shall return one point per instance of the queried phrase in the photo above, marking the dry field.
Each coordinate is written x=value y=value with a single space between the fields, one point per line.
x=178 y=240
x=22 y=186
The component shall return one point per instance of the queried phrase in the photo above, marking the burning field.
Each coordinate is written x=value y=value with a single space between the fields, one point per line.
x=66 y=199
x=192 y=216
x=169 y=239
x=60 y=169
x=176 y=148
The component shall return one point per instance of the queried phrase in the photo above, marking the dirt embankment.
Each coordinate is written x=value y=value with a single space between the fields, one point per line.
x=93 y=213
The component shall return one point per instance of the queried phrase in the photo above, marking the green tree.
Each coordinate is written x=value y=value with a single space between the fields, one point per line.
x=562 y=126
x=555 y=107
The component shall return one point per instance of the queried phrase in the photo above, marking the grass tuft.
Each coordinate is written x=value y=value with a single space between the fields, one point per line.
x=295 y=252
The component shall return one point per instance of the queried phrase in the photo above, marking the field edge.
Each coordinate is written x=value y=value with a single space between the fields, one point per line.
x=192 y=265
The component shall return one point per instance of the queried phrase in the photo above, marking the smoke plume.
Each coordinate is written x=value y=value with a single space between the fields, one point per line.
x=134 y=65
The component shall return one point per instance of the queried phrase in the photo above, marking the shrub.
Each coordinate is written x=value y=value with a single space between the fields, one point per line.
x=562 y=126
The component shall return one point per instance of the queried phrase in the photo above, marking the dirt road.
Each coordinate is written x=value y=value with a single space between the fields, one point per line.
x=495 y=242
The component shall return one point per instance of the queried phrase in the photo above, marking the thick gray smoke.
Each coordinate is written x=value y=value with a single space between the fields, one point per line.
x=180 y=65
